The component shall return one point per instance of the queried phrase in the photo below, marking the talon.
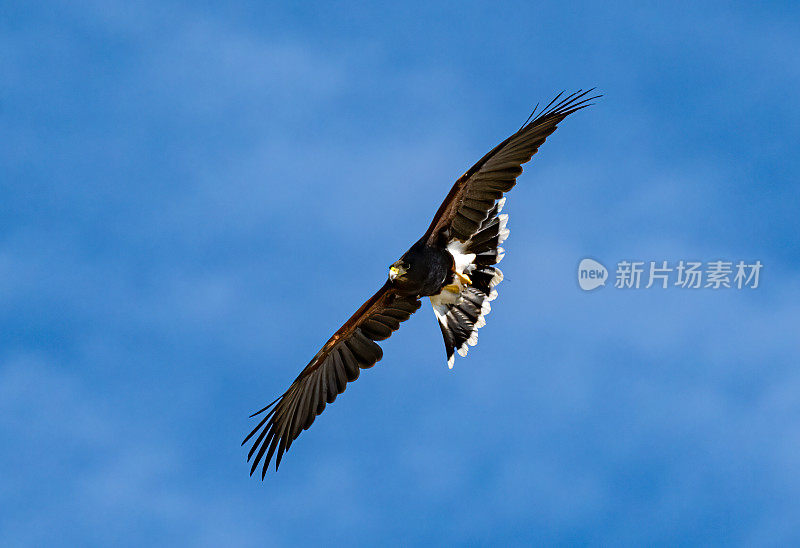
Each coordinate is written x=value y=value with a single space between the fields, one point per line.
x=464 y=278
x=452 y=288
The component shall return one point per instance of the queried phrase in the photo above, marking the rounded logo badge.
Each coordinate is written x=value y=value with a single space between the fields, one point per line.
x=591 y=274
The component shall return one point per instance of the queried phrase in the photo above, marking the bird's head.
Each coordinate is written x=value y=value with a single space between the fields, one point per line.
x=399 y=271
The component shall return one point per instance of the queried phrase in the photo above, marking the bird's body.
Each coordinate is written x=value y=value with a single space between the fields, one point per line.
x=453 y=263
x=427 y=269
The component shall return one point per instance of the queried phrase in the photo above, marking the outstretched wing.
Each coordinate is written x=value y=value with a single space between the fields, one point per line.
x=475 y=193
x=470 y=225
x=351 y=349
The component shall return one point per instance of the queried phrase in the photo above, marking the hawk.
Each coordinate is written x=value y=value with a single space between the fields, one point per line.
x=454 y=264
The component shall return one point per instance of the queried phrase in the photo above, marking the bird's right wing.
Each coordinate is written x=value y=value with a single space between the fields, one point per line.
x=338 y=362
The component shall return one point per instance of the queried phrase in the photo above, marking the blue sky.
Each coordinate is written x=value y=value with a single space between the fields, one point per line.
x=194 y=197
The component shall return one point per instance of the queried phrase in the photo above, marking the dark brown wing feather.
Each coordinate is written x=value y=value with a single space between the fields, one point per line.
x=351 y=349
x=474 y=194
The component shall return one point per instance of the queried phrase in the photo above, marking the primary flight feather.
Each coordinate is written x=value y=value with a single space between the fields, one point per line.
x=453 y=264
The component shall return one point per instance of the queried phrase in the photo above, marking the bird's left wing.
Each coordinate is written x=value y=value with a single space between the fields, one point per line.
x=475 y=194
x=350 y=349
x=469 y=224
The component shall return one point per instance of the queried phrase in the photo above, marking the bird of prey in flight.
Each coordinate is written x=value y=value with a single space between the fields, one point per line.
x=453 y=264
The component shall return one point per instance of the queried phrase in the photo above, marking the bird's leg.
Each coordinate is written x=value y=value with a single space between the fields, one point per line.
x=455 y=287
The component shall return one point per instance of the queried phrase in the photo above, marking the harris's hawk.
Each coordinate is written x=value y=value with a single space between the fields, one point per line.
x=453 y=264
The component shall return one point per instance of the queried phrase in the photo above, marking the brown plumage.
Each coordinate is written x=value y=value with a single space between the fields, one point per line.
x=473 y=195
x=468 y=216
x=349 y=350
